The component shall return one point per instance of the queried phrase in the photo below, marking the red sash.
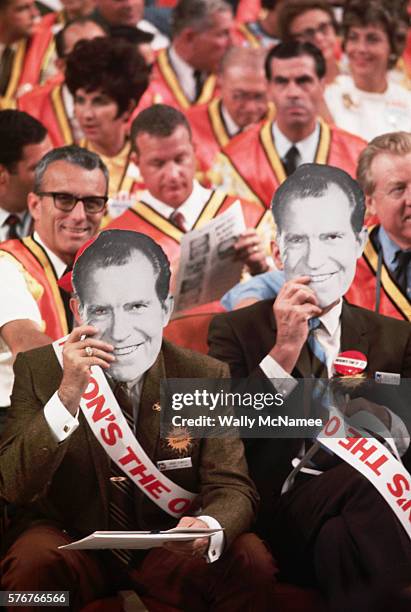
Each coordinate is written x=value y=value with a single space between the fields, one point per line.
x=46 y=104
x=253 y=157
x=165 y=87
x=363 y=291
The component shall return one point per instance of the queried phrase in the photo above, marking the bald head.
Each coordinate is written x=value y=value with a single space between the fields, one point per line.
x=243 y=85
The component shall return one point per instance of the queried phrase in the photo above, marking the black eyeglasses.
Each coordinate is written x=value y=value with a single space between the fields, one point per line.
x=67 y=201
x=310 y=33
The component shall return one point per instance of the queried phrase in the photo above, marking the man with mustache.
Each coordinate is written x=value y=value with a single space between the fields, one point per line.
x=329 y=528
x=257 y=162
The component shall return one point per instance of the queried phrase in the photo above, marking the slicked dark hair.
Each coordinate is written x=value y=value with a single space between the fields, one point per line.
x=291 y=49
x=17 y=130
x=72 y=154
x=313 y=180
x=115 y=248
x=111 y=65
x=158 y=120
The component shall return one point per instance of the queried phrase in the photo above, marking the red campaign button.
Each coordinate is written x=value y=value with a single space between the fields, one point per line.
x=350 y=363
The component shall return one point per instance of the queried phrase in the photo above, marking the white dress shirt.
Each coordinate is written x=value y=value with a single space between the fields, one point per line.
x=185 y=74
x=17 y=304
x=191 y=208
x=22 y=228
x=232 y=128
x=307 y=148
x=68 y=102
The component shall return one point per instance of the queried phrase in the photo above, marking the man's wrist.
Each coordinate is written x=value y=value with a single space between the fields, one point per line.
x=285 y=355
x=67 y=400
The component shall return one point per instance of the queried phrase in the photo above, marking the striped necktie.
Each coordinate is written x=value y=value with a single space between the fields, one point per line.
x=121 y=506
x=318 y=355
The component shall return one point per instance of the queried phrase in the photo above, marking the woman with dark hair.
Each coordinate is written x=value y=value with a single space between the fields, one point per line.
x=107 y=78
x=367 y=102
x=312 y=21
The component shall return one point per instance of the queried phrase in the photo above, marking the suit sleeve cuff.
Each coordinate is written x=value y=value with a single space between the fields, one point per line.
x=61 y=422
x=216 y=546
x=281 y=380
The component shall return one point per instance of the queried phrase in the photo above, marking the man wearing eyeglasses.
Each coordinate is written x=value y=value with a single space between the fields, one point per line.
x=67 y=205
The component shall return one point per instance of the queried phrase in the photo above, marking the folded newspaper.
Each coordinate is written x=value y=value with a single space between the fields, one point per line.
x=138 y=539
x=208 y=266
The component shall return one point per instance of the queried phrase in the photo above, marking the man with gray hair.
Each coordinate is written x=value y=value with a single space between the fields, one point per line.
x=383 y=279
x=184 y=74
x=67 y=205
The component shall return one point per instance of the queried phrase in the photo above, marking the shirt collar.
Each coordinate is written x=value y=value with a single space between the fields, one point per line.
x=230 y=124
x=12 y=46
x=190 y=208
x=331 y=319
x=59 y=265
x=184 y=72
x=307 y=148
x=4 y=214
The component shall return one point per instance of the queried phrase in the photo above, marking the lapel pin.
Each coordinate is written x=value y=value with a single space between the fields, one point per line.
x=156 y=407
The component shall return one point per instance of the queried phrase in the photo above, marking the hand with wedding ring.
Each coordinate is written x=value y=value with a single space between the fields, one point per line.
x=249 y=248
x=81 y=351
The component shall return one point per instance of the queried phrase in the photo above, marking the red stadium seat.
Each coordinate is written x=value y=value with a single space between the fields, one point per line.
x=190 y=329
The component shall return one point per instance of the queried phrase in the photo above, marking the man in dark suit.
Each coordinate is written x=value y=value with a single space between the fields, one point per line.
x=62 y=481
x=328 y=529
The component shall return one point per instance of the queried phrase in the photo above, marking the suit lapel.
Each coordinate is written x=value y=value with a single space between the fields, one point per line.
x=148 y=424
x=353 y=334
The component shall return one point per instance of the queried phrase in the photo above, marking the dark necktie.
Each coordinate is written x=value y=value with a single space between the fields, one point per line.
x=121 y=506
x=199 y=82
x=12 y=221
x=403 y=259
x=290 y=160
x=65 y=296
x=178 y=219
x=6 y=65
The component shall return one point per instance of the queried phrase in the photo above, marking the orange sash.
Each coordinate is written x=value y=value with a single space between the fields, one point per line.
x=35 y=261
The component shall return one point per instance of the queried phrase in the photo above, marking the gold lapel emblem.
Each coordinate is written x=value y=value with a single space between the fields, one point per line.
x=179 y=440
x=156 y=407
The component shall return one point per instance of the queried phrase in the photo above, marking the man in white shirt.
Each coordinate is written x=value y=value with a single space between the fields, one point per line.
x=329 y=528
x=24 y=141
x=122 y=303
x=255 y=163
x=243 y=102
x=185 y=73
x=173 y=202
x=67 y=205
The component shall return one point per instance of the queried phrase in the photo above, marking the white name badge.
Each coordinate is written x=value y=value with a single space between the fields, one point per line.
x=388 y=378
x=174 y=464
